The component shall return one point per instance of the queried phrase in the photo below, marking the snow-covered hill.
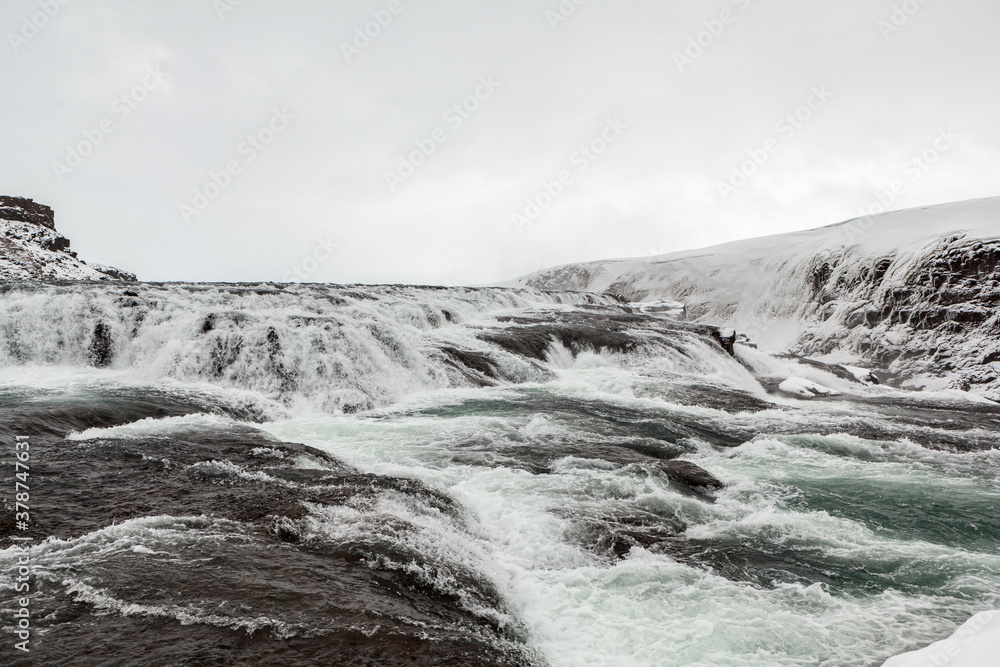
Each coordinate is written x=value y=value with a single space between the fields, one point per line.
x=32 y=249
x=912 y=292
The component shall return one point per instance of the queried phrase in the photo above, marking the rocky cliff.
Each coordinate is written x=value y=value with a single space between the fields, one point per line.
x=32 y=249
x=914 y=293
x=936 y=317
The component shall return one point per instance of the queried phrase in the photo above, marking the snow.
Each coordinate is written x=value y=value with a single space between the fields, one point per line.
x=756 y=285
x=804 y=388
x=975 y=644
x=660 y=307
x=23 y=256
x=862 y=375
x=765 y=289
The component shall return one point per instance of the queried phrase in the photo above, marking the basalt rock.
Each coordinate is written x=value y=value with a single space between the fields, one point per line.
x=692 y=477
x=938 y=318
x=32 y=249
x=25 y=210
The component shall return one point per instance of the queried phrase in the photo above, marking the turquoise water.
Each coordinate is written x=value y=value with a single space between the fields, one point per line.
x=848 y=530
x=823 y=549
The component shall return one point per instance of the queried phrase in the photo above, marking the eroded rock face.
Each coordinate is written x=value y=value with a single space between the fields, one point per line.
x=937 y=317
x=21 y=209
x=32 y=249
x=911 y=293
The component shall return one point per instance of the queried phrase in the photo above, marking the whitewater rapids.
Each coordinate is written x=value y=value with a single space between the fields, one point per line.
x=507 y=451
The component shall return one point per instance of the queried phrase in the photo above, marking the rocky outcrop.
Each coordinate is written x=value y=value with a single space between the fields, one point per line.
x=936 y=318
x=25 y=210
x=32 y=249
x=692 y=478
x=913 y=294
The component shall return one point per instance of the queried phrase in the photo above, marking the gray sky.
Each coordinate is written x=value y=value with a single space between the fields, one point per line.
x=666 y=98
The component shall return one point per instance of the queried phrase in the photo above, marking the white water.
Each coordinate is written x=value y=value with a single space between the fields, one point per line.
x=320 y=349
x=785 y=490
x=649 y=609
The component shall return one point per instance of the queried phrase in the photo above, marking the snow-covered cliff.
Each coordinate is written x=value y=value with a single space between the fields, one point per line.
x=32 y=249
x=914 y=292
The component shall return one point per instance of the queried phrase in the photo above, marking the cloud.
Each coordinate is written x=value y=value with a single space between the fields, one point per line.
x=324 y=177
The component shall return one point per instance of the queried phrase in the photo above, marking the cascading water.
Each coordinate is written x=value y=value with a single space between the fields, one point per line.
x=486 y=476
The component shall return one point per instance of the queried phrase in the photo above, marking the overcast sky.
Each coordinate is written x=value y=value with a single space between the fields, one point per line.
x=667 y=123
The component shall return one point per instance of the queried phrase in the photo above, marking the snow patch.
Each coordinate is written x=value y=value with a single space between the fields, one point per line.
x=975 y=644
x=862 y=375
x=33 y=252
x=804 y=388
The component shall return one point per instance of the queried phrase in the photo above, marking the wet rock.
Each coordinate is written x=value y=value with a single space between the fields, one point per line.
x=618 y=330
x=725 y=338
x=227 y=564
x=839 y=370
x=101 y=346
x=615 y=536
x=692 y=477
x=477 y=362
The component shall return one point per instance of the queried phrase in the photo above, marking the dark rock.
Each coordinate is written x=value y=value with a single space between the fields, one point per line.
x=101 y=346
x=821 y=274
x=881 y=268
x=836 y=369
x=58 y=244
x=692 y=477
x=20 y=243
x=474 y=361
x=21 y=209
x=614 y=536
x=341 y=601
x=968 y=315
x=726 y=338
x=115 y=274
